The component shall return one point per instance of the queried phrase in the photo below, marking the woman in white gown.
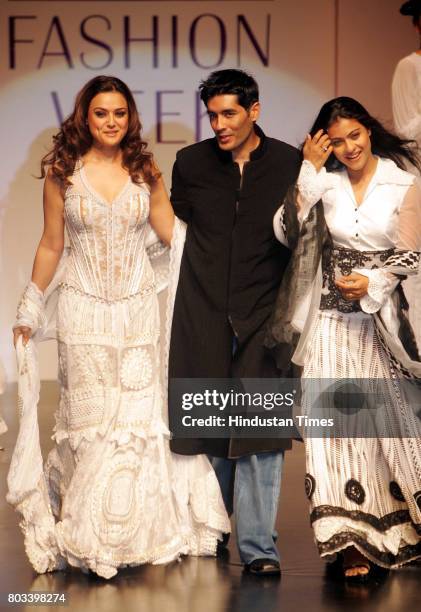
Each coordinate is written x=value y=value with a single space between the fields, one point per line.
x=111 y=493
x=354 y=222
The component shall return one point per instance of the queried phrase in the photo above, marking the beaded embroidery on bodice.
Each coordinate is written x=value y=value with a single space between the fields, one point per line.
x=108 y=258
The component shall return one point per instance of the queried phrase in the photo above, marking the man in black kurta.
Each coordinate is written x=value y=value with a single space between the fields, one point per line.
x=227 y=190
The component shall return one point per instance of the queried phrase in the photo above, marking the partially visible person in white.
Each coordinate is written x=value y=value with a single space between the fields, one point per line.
x=406 y=84
x=406 y=104
x=3 y=426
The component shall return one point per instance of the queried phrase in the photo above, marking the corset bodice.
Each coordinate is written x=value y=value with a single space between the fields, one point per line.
x=108 y=258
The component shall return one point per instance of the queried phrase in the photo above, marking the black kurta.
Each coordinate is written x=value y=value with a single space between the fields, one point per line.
x=231 y=269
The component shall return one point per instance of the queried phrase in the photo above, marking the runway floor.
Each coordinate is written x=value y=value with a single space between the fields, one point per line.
x=199 y=585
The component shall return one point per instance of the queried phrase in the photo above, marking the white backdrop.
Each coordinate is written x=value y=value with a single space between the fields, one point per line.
x=301 y=52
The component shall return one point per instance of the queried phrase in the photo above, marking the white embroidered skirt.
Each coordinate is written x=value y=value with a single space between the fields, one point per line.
x=364 y=492
x=111 y=493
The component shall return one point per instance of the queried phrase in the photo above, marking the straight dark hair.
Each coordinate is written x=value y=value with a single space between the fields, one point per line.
x=230 y=81
x=383 y=143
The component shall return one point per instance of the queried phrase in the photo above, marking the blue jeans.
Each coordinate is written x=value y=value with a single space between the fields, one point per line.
x=250 y=488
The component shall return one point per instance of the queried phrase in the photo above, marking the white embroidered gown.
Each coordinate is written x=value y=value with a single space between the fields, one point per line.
x=118 y=496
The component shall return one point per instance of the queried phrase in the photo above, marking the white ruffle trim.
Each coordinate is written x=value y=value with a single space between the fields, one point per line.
x=31 y=309
x=311 y=186
x=380 y=286
x=389 y=541
x=121 y=436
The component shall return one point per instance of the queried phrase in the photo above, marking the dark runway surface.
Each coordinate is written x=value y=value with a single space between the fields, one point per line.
x=198 y=585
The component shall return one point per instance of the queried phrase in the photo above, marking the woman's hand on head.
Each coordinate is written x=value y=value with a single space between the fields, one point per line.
x=23 y=331
x=317 y=149
x=353 y=286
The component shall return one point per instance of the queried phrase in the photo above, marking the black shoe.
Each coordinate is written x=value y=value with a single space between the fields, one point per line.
x=221 y=546
x=263 y=567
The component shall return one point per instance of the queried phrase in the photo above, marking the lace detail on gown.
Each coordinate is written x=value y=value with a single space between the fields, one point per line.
x=113 y=493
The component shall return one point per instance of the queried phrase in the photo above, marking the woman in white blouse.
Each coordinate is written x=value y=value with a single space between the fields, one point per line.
x=342 y=313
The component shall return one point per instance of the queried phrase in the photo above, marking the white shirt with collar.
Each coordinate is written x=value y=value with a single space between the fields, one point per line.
x=388 y=217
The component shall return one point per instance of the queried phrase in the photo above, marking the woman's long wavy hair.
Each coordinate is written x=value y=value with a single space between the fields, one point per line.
x=383 y=142
x=74 y=138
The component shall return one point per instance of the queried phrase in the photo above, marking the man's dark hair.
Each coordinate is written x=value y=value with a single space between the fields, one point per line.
x=231 y=82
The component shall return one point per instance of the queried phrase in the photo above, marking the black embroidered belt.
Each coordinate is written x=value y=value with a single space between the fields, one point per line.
x=340 y=261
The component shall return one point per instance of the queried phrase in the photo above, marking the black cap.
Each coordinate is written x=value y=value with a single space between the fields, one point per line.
x=412 y=7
